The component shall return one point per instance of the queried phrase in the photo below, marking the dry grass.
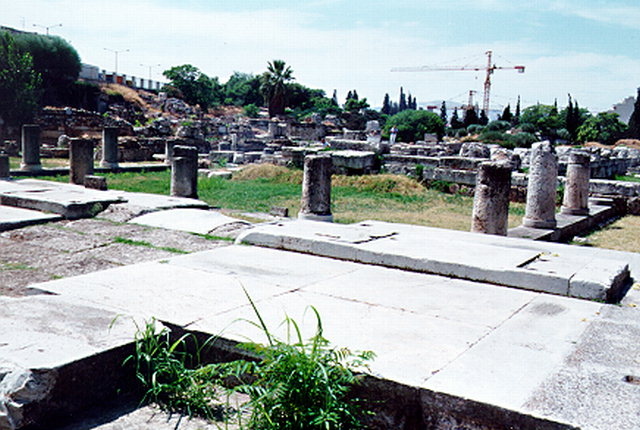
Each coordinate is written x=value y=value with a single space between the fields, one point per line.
x=269 y=171
x=393 y=198
x=622 y=235
x=129 y=94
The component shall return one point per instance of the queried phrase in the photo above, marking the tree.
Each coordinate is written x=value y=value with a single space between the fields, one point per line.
x=386 y=105
x=470 y=116
x=334 y=99
x=354 y=95
x=455 y=120
x=506 y=114
x=516 y=117
x=483 y=119
x=544 y=119
x=354 y=105
x=242 y=89
x=443 y=113
x=402 y=105
x=274 y=86
x=20 y=84
x=634 y=121
x=57 y=62
x=604 y=128
x=196 y=87
x=413 y=124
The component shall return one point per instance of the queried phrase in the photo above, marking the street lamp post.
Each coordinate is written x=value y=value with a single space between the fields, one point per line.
x=116 y=54
x=47 y=27
x=150 y=67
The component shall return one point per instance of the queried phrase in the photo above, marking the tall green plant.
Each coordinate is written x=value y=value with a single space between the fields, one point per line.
x=19 y=83
x=274 y=86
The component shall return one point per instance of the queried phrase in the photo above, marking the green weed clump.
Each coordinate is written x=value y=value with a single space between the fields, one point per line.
x=295 y=384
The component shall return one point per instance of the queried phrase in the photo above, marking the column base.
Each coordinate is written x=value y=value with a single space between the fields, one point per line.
x=539 y=223
x=108 y=165
x=315 y=217
x=30 y=167
x=574 y=211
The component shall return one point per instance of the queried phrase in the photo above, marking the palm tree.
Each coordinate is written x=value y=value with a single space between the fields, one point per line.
x=274 y=88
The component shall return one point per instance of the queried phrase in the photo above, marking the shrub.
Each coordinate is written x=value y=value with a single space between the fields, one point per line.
x=527 y=127
x=498 y=126
x=493 y=136
x=524 y=140
x=475 y=129
x=413 y=124
x=462 y=133
x=251 y=110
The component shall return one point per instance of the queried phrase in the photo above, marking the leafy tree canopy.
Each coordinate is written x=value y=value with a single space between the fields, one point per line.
x=604 y=128
x=57 y=62
x=20 y=83
x=195 y=86
x=413 y=124
x=243 y=89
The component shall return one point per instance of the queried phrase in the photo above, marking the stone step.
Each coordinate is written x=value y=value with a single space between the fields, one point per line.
x=453 y=254
x=70 y=201
x=74 y=201
x=11 y=217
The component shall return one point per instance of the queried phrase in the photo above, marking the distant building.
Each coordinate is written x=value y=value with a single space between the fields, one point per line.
x=624 y=109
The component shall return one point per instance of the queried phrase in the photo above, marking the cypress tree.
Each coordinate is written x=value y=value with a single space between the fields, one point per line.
x=634 y=120
x=516 y=117
x=470 y=117
x=455 y=120
x=402 y=105
x=386 y=105
x=354 y=95
x=443 y=113
x=334 y=99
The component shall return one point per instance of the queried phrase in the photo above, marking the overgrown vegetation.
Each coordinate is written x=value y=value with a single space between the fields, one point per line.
x=293 y=384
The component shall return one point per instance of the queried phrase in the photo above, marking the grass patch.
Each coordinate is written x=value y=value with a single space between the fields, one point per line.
x=627 y=178
x=393 y=198
x=142 y=243
x=15 y=266
x=621 y=235
x=213 y=237
x=47 y=163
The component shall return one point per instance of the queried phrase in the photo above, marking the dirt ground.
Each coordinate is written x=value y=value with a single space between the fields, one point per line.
x=60 y=249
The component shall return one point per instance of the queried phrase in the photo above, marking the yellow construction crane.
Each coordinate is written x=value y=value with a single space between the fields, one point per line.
x=489 y=68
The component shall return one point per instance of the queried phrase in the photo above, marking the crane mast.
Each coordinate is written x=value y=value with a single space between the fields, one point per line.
x=489 y=69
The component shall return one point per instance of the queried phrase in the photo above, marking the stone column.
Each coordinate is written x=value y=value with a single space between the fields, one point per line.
x=576 y=188
x=109 y=148
x=542 y=184
x=234 y=142
x=316 y=188
x=184 y=172
x=30 y=148
x=273 y=129
x=5 y=172
x=80 y=160
x=491 y=199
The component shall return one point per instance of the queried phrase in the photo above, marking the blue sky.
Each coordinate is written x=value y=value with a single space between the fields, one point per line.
x=589 y=48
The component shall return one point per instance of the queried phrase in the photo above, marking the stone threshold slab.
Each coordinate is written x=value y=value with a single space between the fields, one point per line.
x=449 y=253
x=59 y=357
x=70 y=201
x=12 y=218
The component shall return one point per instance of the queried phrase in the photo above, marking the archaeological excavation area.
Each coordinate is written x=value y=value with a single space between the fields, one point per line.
x=492 y=328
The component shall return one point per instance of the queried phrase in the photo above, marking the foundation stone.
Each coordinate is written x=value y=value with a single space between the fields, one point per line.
x=316 y=188
x=491 y=200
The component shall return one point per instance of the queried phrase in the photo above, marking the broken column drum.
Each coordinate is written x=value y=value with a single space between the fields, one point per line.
x=540 y=210
x=576 y=188
x=109 y=148
x=491 y=199
x=30 y=148
x=80 y=160
x=5 y=172
x=316 y=188
x=184 y=172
